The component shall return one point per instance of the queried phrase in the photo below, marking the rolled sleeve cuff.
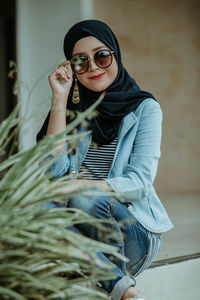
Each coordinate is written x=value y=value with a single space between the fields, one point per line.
x=125 y=188
x=121 y=286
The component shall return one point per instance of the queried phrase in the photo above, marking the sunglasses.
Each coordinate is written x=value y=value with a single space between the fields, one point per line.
x=102 y=58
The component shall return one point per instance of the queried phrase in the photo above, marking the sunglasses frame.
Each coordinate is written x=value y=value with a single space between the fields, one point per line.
x=88 y=60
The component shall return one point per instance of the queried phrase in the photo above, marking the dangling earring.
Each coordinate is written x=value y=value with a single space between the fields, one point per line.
x=75 y=95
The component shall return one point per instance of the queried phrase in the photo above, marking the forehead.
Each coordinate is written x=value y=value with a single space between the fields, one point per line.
x=87 y=44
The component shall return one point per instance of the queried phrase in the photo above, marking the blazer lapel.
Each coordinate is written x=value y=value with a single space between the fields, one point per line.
x=126 y=124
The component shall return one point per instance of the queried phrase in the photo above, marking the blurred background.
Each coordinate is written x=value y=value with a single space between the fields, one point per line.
x=160 y=45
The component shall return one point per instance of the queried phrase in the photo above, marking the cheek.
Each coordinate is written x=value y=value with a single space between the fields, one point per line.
x=81 y=79
x=115 y=68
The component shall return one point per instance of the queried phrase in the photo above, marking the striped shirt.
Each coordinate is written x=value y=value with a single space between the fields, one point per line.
x=97 y=162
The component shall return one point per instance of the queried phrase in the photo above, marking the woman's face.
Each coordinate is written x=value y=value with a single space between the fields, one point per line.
x=96 y=79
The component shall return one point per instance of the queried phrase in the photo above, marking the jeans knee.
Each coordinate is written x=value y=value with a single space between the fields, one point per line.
x=102 y=206
x=97 y=206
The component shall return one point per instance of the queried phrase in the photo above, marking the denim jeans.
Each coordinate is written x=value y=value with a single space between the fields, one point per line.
x=139 y=245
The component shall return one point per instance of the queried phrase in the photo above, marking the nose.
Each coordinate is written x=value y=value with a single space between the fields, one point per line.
x=92 y=64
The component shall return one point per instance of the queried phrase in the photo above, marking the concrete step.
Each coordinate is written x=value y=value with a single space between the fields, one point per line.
x=172 y=281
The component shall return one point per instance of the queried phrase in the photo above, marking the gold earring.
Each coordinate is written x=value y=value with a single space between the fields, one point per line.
x=75 y=95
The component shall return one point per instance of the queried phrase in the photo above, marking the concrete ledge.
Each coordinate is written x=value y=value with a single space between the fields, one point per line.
x=173 y=260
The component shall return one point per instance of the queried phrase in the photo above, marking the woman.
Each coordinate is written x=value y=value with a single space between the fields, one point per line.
x=127 y=131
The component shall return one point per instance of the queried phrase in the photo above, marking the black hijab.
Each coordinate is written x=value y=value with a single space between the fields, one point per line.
x=122 y=96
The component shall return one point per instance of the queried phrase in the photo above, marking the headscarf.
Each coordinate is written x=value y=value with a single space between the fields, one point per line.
x=122 y=96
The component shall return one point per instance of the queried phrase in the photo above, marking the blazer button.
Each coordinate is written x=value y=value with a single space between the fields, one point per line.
x=130 y=207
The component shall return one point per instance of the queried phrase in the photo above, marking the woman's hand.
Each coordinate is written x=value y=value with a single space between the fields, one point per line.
x=61 y=81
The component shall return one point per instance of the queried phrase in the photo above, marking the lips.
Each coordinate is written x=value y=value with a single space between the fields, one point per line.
x=96 y=77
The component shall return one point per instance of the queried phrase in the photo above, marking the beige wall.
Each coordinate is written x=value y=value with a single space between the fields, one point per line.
x=160 y=43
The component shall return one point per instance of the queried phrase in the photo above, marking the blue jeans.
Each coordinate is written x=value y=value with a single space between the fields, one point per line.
x=139 y=245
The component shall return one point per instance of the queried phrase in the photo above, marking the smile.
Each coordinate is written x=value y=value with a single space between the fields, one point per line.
x=96 y=77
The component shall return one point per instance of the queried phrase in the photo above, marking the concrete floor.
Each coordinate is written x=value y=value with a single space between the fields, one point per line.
x=184 y=238
x=178 y=281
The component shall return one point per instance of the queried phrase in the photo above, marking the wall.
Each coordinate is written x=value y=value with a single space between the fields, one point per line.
x=41 y=27
x=160 y=43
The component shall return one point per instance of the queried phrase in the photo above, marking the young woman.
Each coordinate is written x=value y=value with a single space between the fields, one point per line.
x=127 y=130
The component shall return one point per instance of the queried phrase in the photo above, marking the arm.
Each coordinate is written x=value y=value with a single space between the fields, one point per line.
x=76 y=184
x=141 y=169
x=60 y=81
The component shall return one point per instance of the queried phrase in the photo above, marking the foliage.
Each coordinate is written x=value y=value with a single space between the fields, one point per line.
x=40 y=257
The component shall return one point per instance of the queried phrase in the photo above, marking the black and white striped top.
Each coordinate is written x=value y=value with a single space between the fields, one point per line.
x=97 y=162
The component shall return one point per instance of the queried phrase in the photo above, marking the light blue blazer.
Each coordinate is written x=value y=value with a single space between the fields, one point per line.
x=134 y=165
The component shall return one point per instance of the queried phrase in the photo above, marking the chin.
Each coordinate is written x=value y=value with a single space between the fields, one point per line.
x=97 y=89
x=100 y=88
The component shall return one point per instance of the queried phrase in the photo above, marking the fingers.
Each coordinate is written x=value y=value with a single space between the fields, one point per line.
x=63 y=71
x=64 y=64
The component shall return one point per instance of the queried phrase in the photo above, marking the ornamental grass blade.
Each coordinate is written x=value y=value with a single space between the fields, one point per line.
x=7 y=125
x=4 y=292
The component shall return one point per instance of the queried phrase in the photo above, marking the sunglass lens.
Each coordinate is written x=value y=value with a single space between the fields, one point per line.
x=79 y=64
x=103 y=58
